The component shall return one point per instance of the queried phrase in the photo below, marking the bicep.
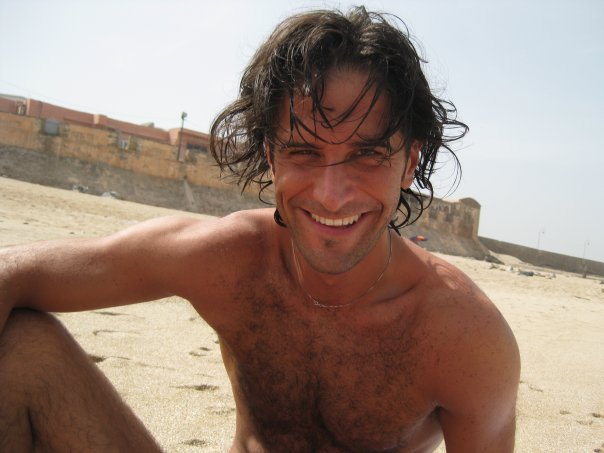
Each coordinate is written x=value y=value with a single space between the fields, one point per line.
x=491 y=428
x=479 y=403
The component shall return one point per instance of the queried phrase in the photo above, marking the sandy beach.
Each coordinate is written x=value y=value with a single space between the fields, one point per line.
x=165 y=361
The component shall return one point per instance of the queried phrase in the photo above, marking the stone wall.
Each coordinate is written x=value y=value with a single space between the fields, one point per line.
x=91 y=159
x=108 y=146
x=545 y=259
x=100 y=178
x=459 y=218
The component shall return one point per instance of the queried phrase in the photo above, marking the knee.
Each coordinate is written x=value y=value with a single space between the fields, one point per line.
x=30 y=329
x=35 y=348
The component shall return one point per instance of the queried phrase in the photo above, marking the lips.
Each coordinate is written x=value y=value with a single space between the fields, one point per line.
x=341 y=222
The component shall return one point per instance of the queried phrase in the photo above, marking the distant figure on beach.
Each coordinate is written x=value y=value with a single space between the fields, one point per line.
x=338 y=334
x=418 y=238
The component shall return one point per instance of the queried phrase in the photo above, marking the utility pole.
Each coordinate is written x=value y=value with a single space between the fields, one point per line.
x=538 y=257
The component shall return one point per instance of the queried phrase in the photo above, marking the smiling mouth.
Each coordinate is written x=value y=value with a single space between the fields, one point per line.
x=342 y=222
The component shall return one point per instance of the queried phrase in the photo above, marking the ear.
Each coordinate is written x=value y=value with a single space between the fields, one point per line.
x=411 y=164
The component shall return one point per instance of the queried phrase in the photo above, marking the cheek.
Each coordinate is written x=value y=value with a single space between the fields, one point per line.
x=289 y=176
x=287 y=184
x=395 y=198
x=386 y=188
x=392 y=186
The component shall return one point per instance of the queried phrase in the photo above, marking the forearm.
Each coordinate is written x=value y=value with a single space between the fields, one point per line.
x=32 y=275
x=62 y=275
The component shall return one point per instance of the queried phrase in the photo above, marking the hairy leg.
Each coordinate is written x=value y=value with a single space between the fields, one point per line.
x=53 y=398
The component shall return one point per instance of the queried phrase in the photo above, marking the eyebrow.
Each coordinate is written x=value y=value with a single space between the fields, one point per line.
x=297 y=145
x=356 y=144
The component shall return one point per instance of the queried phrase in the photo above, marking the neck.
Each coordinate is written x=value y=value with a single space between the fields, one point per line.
x=344 y=289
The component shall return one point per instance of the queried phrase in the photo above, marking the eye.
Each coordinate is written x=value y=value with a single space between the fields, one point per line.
x=300 y=156
x=371 y=156
x=302 y=152
x=303 y=156
x=368 y=153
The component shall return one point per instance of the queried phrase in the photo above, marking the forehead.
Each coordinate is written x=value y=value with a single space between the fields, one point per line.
x=349 y=107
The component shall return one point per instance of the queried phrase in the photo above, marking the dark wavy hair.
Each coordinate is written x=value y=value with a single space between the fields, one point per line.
x=295 y=59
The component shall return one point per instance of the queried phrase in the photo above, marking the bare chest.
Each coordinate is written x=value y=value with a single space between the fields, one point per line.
x=322 y=385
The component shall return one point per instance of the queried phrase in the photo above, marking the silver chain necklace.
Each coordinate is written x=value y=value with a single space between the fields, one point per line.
x=333 y=307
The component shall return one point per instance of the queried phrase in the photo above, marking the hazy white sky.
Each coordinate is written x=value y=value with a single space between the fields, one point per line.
x=527 y=76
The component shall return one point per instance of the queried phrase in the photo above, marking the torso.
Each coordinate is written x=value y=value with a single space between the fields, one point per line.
x=307 y=379
x=310 y=379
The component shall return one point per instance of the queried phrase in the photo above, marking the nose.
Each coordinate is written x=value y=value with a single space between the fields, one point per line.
x=333 y=187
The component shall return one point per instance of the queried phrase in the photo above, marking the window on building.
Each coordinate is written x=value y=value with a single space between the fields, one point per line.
x=195 y=148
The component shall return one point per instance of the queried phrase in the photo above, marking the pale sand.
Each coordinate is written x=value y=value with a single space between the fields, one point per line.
x=166 y=363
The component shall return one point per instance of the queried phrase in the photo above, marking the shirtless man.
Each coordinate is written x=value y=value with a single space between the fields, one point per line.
x=338 y=335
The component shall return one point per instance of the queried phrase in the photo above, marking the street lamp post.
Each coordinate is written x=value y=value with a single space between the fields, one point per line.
x=183 y=116
x=585 y=244
x=541 y=233
x=538 y=257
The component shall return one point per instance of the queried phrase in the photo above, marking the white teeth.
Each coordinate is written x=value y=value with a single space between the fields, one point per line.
x=335 y=222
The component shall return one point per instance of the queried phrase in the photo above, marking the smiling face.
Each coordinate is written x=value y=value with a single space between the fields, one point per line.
x=338 y=187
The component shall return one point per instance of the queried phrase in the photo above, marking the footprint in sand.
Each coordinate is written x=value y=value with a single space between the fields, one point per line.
x=535 y=389
x=222 y=410
x=199 y=352
x=99 y=358
x=532 y=387
x=114 y=333
x=199 y=388
x=157 y=367
x=585 y=422
x=110 y=313
x=590 y=422
x=196 y=443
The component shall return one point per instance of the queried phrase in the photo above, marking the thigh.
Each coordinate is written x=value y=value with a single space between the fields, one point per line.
x=55 y=398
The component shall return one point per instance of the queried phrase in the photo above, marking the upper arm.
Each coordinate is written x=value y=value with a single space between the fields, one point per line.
x=479 y=384
x=148 y=261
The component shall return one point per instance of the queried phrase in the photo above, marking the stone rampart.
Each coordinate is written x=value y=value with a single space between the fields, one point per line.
x=94 y=160
x=108 y=146
x=545 y=259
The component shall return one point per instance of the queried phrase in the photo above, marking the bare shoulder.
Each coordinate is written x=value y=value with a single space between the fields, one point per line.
x=194 y=253
x=224 y=248
x=188 y=234
x=242 y=235
x=476 y=364
x=462 y=318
